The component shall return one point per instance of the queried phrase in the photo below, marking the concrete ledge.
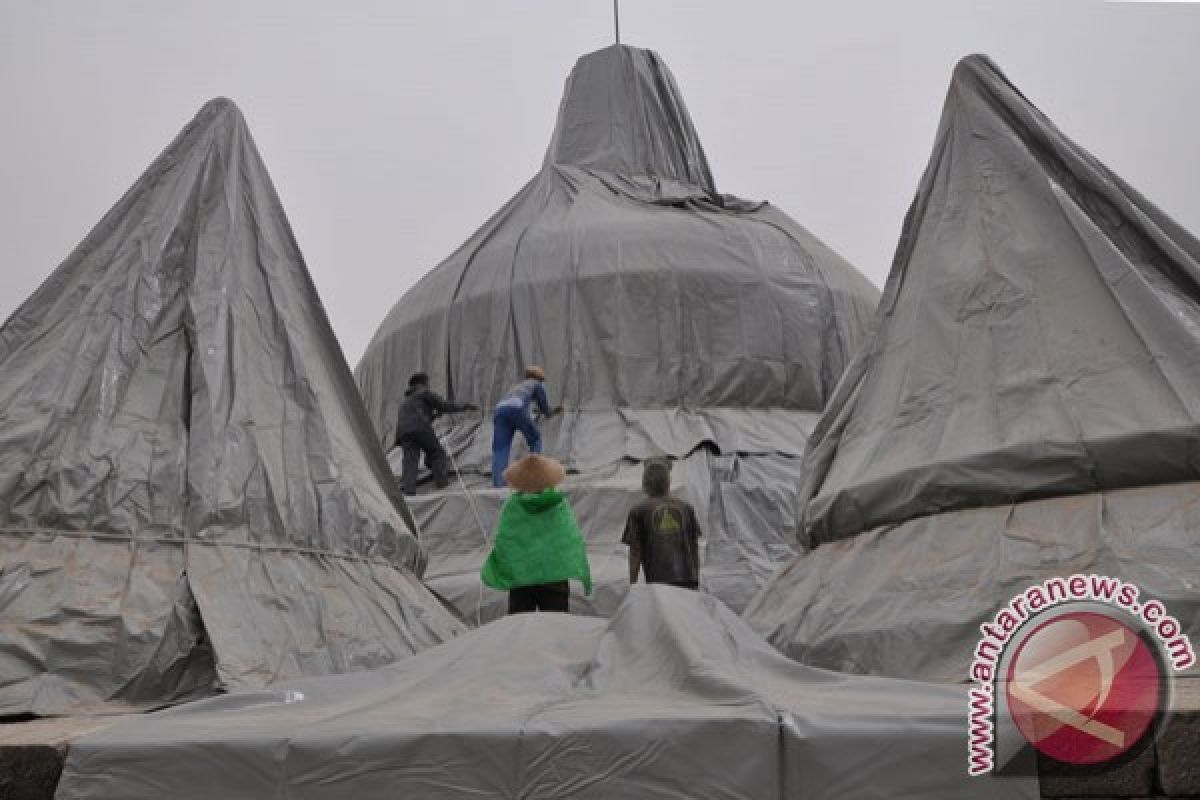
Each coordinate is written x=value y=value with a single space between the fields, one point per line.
x=1168 y=770
x=32 y=753
x=30 y=772
x=1134 y=778
x=1179 y=748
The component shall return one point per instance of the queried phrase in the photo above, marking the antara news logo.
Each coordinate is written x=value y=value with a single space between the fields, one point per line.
x=1078 y=668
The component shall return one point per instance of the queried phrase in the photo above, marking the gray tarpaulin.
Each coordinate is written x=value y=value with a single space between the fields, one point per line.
x=1039 y=337
x=669 y=318
x=191 y=494
x=673 y=697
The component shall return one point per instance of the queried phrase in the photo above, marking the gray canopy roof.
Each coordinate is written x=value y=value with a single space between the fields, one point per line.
x=190 y=491
x=1039 y=333
x=622 y=270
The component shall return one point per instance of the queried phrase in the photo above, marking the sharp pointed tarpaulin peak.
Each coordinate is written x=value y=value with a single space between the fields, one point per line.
x=218 y=104
x=976 y=63
x=218 y=109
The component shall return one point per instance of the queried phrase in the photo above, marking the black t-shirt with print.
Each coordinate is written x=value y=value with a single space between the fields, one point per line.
x=667 y=531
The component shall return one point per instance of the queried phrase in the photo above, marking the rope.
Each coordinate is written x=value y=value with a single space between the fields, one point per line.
x=184 y=538
x=478 y=521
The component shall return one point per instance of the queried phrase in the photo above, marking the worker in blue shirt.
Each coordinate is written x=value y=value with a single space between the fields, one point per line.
x=513 y=413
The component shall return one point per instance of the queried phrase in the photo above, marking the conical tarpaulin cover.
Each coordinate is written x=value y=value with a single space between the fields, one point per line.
x=190 y=492
x=1039 y=334
x=1028 y=404
x=670 y=319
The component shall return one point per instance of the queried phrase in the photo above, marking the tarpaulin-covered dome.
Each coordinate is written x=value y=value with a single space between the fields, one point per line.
x=671 y=320
x=622 y=270
x=191 y=495
x=1028 y=404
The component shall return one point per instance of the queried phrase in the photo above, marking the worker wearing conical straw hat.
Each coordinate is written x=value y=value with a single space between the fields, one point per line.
x=538 y=546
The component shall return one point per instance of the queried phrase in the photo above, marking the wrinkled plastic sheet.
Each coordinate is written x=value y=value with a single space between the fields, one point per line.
x=745 y=503
x=622 y=271
x=907 y=600
x=88 y=625
x=673 y=697
x=1039 y=334
x=292 y=614
x=187 y=475
x=103 y=626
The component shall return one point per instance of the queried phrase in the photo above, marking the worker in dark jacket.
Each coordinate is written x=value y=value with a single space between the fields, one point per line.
x=662 y=532
x=414 y=432
x=512 y=414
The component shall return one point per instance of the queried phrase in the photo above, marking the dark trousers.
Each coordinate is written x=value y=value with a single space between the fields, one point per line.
x=414 y=444
x=542 y=597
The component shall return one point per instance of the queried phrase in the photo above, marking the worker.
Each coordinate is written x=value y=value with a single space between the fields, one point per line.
x=415 y=435
x=662 y=532
x=513 y=413
x=538 y=546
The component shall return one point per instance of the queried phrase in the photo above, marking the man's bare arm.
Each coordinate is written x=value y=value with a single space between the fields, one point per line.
x=635 y=563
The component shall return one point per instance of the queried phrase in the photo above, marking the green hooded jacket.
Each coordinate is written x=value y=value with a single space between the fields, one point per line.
x=538 y=542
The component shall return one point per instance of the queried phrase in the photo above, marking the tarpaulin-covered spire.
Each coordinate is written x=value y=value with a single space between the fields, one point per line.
x=1039 y=334
x=620 y=271
x=621 y=112
x=187 y=477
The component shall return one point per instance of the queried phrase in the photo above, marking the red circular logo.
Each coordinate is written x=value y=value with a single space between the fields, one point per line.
x=1083 y=688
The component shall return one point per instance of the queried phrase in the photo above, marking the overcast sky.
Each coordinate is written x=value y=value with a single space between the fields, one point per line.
x=393 y=129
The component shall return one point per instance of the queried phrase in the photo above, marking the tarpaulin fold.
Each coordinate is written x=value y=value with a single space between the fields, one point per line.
x=191 y=494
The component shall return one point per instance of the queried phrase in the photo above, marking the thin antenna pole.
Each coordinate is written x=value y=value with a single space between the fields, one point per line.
x=617 y=19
